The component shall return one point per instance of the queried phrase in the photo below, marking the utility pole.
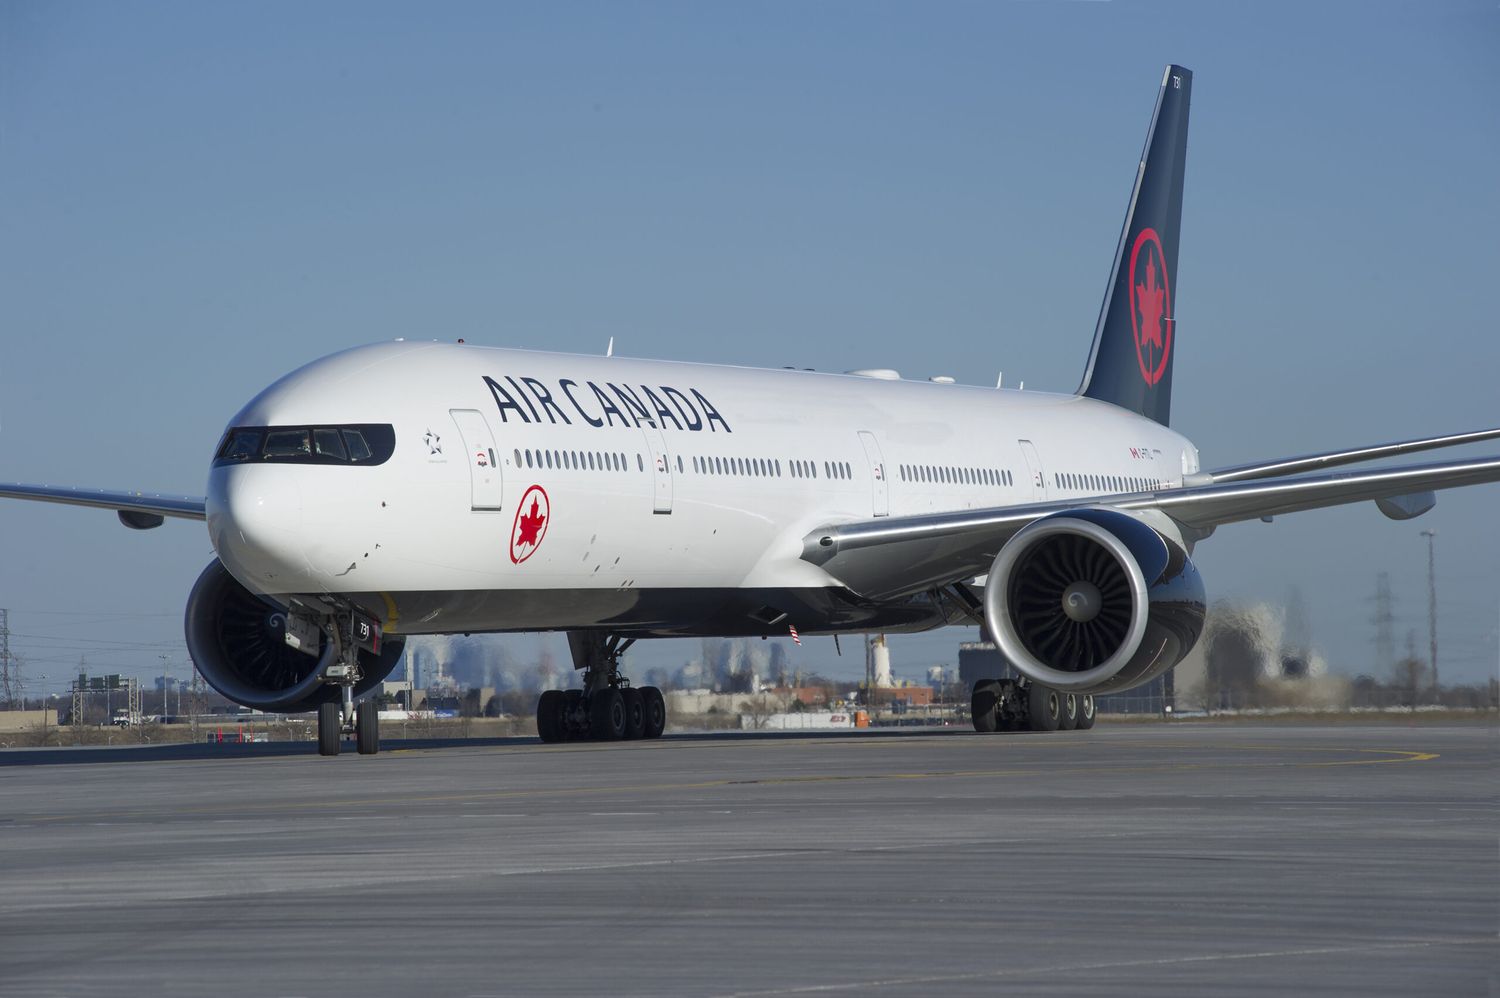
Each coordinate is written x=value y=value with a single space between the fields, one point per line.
x=1382 y=618
x=1431 y=536
x=7 y=683
x=166 y=684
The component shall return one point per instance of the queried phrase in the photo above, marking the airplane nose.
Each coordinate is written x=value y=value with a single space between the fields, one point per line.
x=255 y=523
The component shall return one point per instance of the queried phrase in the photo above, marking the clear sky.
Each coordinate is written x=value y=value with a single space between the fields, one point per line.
x=198 y=197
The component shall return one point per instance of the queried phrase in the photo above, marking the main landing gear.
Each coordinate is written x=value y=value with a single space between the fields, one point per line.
x=607 y=708
x=1021 y=705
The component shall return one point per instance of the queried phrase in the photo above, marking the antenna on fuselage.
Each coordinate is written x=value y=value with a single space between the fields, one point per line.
x=1000 y=380
x=609 y=351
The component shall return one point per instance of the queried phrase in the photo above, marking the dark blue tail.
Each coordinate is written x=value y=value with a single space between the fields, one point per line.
x=1135 y=341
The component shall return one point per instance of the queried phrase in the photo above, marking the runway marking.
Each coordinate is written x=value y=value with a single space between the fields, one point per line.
x=984 y=975
x=1387 y=756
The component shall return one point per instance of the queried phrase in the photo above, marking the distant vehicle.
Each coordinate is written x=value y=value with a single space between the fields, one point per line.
x=124 y=718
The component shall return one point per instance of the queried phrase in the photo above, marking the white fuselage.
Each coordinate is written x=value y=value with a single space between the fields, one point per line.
x=703 y=499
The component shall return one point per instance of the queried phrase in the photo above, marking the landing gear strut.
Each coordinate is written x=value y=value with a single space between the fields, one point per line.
x=335 y=720
x=608 y=708
x=1021 y=705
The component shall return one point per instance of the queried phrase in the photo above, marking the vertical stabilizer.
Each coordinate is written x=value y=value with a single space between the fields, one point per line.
x=1135 y=341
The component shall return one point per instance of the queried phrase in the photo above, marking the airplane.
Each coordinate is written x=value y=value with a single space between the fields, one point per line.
x=417 y=487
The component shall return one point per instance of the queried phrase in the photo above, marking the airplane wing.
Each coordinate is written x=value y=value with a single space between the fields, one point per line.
x=889 y=557
x=137 y=510
x=1333 y=459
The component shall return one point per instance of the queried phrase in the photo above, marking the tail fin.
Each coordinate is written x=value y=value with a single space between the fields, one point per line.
x=1131 y=363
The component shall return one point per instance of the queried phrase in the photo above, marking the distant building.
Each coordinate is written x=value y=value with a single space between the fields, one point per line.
x=982 y=660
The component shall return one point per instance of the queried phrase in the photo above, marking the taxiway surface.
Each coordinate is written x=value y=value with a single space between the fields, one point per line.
x=1188 y=859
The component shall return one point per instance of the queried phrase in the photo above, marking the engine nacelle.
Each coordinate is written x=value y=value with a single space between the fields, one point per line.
x=1093 y=601
x=238 y=642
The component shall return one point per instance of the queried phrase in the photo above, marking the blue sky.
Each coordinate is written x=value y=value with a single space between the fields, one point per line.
x=197 y=197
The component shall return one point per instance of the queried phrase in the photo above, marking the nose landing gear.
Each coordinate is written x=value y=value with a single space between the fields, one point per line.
x=336 y=720
x=608 y=708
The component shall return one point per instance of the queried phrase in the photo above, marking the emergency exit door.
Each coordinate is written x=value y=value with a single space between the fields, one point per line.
x=485 y=483
x=1034 y=468
x=661 y=467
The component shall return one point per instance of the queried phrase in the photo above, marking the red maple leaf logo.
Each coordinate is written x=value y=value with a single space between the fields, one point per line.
x=1152 y=301
x=530 y=525
x=1150 y=306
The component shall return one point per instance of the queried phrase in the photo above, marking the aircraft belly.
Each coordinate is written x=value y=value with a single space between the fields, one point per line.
x=658 y=612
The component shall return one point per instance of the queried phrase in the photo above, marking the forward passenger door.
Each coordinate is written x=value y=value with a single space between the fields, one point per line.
x=485 y=483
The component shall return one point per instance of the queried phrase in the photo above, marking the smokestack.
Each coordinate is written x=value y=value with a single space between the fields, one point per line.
x=883 y=677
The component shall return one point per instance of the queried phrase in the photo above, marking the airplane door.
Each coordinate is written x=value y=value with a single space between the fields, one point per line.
x=1034 y=465
x=661 y=467
x=485 y=484
x=881 y=495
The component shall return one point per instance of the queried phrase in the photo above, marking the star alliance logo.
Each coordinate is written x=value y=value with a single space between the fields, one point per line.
x=434 y=443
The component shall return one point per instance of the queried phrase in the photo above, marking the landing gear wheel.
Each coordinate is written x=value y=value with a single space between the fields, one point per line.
x=367 y=728
x=549 y=722
x=1044 y=707
x=607 y=715
x=1085 y=712
x=635 y=712
x=330 y=728
x=655 y=710
x=984 y=705
x=1068 y=719
x=571 y=728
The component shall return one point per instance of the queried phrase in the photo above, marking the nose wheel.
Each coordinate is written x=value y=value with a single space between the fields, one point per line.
x=337 y=720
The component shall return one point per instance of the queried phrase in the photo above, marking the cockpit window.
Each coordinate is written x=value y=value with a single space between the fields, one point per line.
x=328 y=444
x=286 y=443
x=361 y=444
x=358 y=449
x=240 y=445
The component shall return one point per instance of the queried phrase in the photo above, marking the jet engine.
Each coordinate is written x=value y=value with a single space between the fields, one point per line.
x=238 y=642
x=1093 y=601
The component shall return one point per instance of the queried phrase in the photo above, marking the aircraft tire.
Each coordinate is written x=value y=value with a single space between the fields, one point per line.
x=367 y=727
x=607 y=715
x=655 y=711
x=1067 y=717
x=1087 y=712
x=984 y=705
x=549 y=719
x=571 y=730
x=1044 y=707
x=330 y=734
x=635 y=713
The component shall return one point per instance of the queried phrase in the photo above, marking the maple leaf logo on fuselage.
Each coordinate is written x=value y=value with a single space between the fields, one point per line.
x=530 y=525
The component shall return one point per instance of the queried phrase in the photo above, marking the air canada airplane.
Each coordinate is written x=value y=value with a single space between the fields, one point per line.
x=418 y=487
